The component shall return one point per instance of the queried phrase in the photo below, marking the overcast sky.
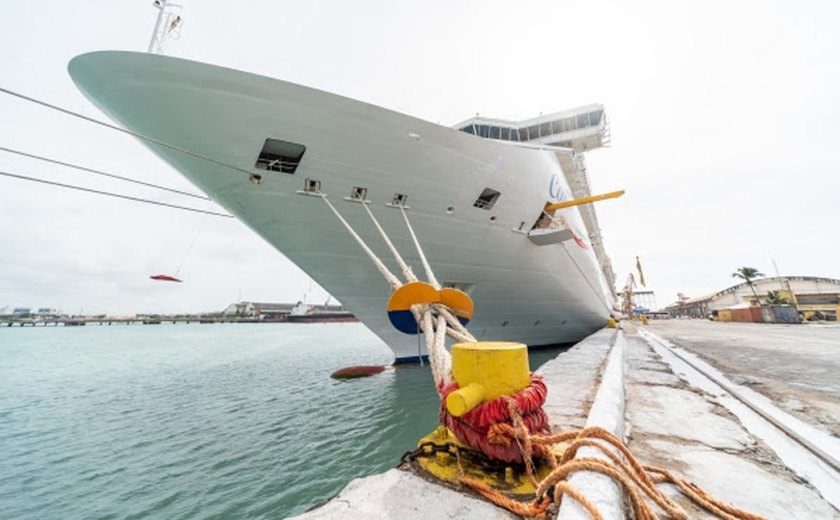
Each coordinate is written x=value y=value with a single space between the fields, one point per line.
x=725 y=129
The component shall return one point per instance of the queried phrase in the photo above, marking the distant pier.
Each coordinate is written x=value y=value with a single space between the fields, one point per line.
x=148 y=320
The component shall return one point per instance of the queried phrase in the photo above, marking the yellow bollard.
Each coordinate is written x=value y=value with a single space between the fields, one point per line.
x=485 y=370
x=611 y=323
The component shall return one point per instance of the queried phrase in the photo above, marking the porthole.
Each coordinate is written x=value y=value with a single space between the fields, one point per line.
x=450 y=210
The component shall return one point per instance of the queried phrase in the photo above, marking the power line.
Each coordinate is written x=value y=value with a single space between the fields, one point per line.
x=123 y=130
x=117 y=195
x=99 y=172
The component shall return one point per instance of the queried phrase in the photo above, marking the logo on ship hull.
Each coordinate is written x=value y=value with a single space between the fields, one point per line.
x=557 y=192
x=555 y=189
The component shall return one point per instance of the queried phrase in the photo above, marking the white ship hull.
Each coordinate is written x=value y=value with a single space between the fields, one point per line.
x=536 y=294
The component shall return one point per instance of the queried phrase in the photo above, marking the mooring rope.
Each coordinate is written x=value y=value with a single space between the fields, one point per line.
x=124 y=130
x=406 y=269
x=637 y=480
x=111 y=194
x=434 y=328
x=456 y=329
x=383 y=269
x=430 y=275
x=462 y=333
x=100 y=172
x=439 y=358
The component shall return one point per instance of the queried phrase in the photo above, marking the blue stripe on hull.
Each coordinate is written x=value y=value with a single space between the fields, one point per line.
x=411 y=360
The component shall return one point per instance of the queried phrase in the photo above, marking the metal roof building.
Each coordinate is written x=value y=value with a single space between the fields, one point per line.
x=809 y=293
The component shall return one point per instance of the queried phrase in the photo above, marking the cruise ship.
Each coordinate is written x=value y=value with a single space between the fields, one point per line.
x=475 y=193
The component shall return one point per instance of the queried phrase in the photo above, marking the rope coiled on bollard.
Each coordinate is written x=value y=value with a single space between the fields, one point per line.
x=476 y=428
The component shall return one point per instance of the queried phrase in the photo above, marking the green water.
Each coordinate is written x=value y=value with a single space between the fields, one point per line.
x=198 y=421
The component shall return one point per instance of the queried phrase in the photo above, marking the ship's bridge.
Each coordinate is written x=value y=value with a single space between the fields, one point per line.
x=580 y=129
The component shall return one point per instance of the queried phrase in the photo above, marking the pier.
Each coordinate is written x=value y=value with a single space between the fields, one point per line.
x=74 y=321
x=690 y=404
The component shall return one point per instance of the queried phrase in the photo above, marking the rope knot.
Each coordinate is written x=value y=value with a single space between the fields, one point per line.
x=500 y=434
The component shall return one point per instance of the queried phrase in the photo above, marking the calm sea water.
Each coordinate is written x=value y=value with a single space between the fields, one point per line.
x=198 y=421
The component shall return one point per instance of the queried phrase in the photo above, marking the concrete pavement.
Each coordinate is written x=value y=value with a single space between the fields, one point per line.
x=796 y=366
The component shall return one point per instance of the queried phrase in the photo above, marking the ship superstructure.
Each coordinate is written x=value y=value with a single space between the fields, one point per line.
x=569 y=133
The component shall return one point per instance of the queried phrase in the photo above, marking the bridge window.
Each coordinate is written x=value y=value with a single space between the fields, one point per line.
x=583 y=120
x=545 y=129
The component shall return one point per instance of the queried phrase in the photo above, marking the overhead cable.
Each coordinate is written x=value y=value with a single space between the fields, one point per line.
x=99 y=172
x=124 y=130
x=117 y=195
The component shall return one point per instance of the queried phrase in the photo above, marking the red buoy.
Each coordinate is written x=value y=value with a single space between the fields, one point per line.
x=357 y=371
x=164 y=278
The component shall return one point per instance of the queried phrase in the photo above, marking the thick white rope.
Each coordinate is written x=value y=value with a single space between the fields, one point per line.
x=389 y=276
x=458 y=328
x=443 y=358
x=439 y=358
x=407 y=272
x=429 y=274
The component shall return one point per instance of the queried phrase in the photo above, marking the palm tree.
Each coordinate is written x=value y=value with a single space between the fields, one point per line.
x=748 y=274
x=776 y=298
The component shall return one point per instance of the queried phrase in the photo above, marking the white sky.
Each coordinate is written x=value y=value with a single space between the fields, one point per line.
x=725 y=127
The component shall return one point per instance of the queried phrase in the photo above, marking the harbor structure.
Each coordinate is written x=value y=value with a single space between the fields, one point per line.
x=286 y=311
x=809 y=294
x=259 y=310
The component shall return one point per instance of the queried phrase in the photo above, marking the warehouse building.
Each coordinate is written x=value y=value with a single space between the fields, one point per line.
x=811 y=296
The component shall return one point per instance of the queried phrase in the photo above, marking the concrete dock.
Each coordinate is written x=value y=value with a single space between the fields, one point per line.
x=796 y=366
x=710 y=431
